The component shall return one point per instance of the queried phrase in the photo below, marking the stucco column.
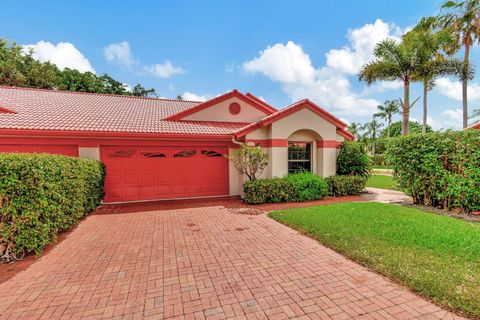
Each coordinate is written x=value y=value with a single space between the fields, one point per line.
x=279 y=158
x=235 y=179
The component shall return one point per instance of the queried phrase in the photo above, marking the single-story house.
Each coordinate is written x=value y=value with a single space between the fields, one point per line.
x=169 y=149
x=474 y=126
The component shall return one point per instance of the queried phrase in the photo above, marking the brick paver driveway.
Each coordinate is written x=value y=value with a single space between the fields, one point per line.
x=200 y=263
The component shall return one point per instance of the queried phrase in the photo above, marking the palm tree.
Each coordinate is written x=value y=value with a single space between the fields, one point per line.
x=462 y=18
x=395 y=61
x=372 y=129
x=354 y=128
x=437 y=65
x=387 y=110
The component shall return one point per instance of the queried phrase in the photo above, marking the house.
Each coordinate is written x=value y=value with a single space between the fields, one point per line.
x=169 y=149
x=474 y=126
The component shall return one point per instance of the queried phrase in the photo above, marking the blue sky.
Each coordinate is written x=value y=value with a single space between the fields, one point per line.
x=281 y=51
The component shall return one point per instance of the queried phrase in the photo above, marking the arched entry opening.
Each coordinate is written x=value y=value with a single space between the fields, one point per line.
x=302 y=151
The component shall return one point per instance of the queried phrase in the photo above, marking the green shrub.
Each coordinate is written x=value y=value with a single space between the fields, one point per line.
x=292 y=188
x=42 y=194
x=353 y=160
x=268 y=191
x=339 y=186
x=307 y=186
x=378 y=160
x=439 y=169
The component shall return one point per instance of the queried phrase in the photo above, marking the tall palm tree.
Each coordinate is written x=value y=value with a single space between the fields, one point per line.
x=462 y=18
x=395 y=61
x=354 y=128
x=386 y=112
x=438 y=65
x=372 y=130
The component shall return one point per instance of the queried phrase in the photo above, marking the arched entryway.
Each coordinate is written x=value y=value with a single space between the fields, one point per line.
x=302 y=151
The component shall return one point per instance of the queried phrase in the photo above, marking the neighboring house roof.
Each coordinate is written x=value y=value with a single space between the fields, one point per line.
x=35 y=110
x=474 y=126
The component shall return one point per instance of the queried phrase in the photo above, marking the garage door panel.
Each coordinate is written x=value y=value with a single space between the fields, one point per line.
x=148 y=173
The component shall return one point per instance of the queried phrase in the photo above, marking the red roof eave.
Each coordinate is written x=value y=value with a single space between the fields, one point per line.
x=112 y=134
x=288 y=111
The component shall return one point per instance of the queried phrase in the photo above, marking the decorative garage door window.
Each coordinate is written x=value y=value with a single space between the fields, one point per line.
x=210 y=153
x=122 y=153
x=299 y=157
x=153 y=154
x=185 y=154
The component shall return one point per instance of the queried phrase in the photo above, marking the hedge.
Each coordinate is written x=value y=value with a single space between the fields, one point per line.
x=301 y=187
x=339 y=186
x=292 y=188
x=439 y=169
x=42 y=194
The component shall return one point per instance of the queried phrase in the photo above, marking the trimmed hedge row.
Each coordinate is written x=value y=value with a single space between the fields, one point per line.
x=42 y=194
x=439 y=169
x=339 y=186
x=300 y=187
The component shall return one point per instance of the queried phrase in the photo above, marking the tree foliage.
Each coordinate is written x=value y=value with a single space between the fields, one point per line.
x=250 y=161
x=18 y=68
x=396 y=129
x=353 y=160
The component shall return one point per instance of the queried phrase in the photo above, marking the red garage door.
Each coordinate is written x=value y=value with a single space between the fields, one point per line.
x=148 y=173
x=68 y=150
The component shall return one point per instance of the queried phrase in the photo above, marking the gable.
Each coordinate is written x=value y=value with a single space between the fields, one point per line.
x=230 y=107
x=229 y=110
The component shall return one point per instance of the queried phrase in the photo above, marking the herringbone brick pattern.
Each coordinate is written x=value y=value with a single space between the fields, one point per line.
x=201 y=263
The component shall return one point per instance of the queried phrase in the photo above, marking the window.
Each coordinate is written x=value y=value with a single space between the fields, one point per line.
x=210 y=153
x=299 y=156
x=122 y=153
x=153 y=154
x=185 y=154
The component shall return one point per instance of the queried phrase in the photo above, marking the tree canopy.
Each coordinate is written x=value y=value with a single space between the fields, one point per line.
x=18 y=68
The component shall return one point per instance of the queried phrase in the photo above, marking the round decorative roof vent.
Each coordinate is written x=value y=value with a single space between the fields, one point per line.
x=234 y=108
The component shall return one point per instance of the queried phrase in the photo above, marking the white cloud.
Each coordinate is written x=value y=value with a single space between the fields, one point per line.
x=193 y=97
x=329 y=85
x=64 y=55
x=453 y=89
x=164 y=70
x=359 y=50
x=119 y=53
x=284 y=63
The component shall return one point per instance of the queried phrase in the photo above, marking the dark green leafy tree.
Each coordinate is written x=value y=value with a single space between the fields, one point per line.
x=396 y=129
x=462 y=19
x=387 y=111
x=140 y=91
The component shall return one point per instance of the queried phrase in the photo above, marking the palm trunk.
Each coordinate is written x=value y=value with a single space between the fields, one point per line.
x=465 y=84
x=425 y=92
x=389 y=124
x=406 y=106
x=373 y=147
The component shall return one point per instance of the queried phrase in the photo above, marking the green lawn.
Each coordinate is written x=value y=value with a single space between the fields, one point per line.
x=381 y=181
x=436 y=256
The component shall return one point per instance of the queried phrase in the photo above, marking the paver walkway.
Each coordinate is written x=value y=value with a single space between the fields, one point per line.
x=200 y=263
